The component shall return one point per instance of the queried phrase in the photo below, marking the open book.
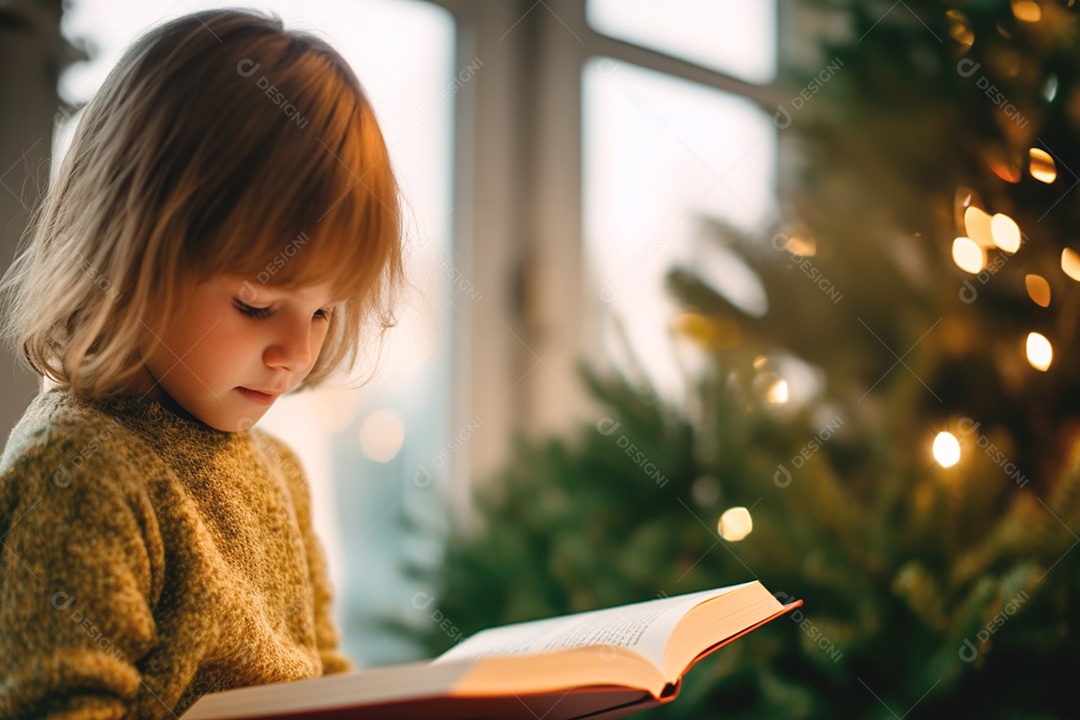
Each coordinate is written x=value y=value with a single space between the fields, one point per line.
x=598 y=664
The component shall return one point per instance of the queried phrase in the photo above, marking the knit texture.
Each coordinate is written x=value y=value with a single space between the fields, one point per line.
x=148 y=559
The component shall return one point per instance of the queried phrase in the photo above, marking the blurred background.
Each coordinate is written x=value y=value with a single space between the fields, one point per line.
x=714 y=291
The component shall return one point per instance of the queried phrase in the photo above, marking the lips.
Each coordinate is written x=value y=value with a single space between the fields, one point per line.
x=257 y=396
x=279 y=391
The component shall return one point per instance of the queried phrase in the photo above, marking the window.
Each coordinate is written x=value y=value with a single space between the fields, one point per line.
x=729 y=36
x=659 y=152
x=585 y=147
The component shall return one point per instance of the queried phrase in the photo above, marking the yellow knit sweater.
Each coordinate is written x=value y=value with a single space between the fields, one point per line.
x=147 y=559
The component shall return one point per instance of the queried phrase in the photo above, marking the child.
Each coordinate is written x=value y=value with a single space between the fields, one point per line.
x=223 y=226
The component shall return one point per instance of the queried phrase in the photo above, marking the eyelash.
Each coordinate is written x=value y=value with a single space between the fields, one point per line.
x=263 y=313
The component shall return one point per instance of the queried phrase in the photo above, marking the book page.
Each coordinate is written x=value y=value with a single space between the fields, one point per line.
x=643 y=626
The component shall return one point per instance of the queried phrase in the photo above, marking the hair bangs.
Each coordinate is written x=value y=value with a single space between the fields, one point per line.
x=324 y=206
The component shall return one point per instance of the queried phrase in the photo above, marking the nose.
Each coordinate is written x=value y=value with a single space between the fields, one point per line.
x=291 y=347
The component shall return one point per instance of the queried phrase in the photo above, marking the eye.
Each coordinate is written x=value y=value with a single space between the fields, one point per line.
x=258 y=313
x=263 y=313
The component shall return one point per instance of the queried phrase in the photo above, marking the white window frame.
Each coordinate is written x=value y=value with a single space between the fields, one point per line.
x=518 y=217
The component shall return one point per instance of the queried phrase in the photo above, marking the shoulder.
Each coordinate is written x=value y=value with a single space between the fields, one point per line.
x=58 y=439
x=75 y=502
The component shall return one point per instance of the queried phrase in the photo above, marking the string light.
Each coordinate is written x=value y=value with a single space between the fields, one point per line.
x=1070 y=263
x=977 y=224
x=1006 y=171
x=708 y=332
x=1039 y=351
x=778 y=393
x=1006 y=232
x=1042 y=166
x=1027 y=10
x=960 y=29
x=946 y=449
x=1038 y=290
x=798 y=245
x=735 y=524
x=968 y=255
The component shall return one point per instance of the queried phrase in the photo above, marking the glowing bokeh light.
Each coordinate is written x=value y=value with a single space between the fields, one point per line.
x=778 y=393
x=1039 y=351
x=1038 y=290
x=968 y=255
x=1006 y=232
x=1027 y=10
x=735 y=524
x=977 y=224
x=946 y=449
x=804 y=246
x=1042 y=166
x=960 y=28
x=1070 y=263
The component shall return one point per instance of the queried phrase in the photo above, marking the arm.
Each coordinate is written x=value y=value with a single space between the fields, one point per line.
x=80 y=571
x=327 y=635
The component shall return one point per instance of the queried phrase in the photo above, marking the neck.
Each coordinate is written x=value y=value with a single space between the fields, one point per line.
x=146 y=387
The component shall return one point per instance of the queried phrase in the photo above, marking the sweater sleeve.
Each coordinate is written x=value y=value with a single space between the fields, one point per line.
x=327 y=635
x=79 y=555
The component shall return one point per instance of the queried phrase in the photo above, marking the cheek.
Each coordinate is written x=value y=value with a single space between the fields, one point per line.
x=213 y=337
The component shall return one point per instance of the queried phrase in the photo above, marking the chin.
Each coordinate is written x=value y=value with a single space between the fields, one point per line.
x=242 y=421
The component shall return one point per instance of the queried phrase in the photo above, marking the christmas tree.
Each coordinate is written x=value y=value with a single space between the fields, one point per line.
x=924 y=499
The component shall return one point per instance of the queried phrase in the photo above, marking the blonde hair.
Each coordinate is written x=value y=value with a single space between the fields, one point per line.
x=220 y=143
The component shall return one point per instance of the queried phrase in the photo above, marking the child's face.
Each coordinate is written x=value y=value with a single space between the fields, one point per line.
x=214 y=349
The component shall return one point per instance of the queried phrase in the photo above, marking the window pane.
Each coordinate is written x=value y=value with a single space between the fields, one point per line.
x=733 y=36
x=357 y=498
x=658 y=153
